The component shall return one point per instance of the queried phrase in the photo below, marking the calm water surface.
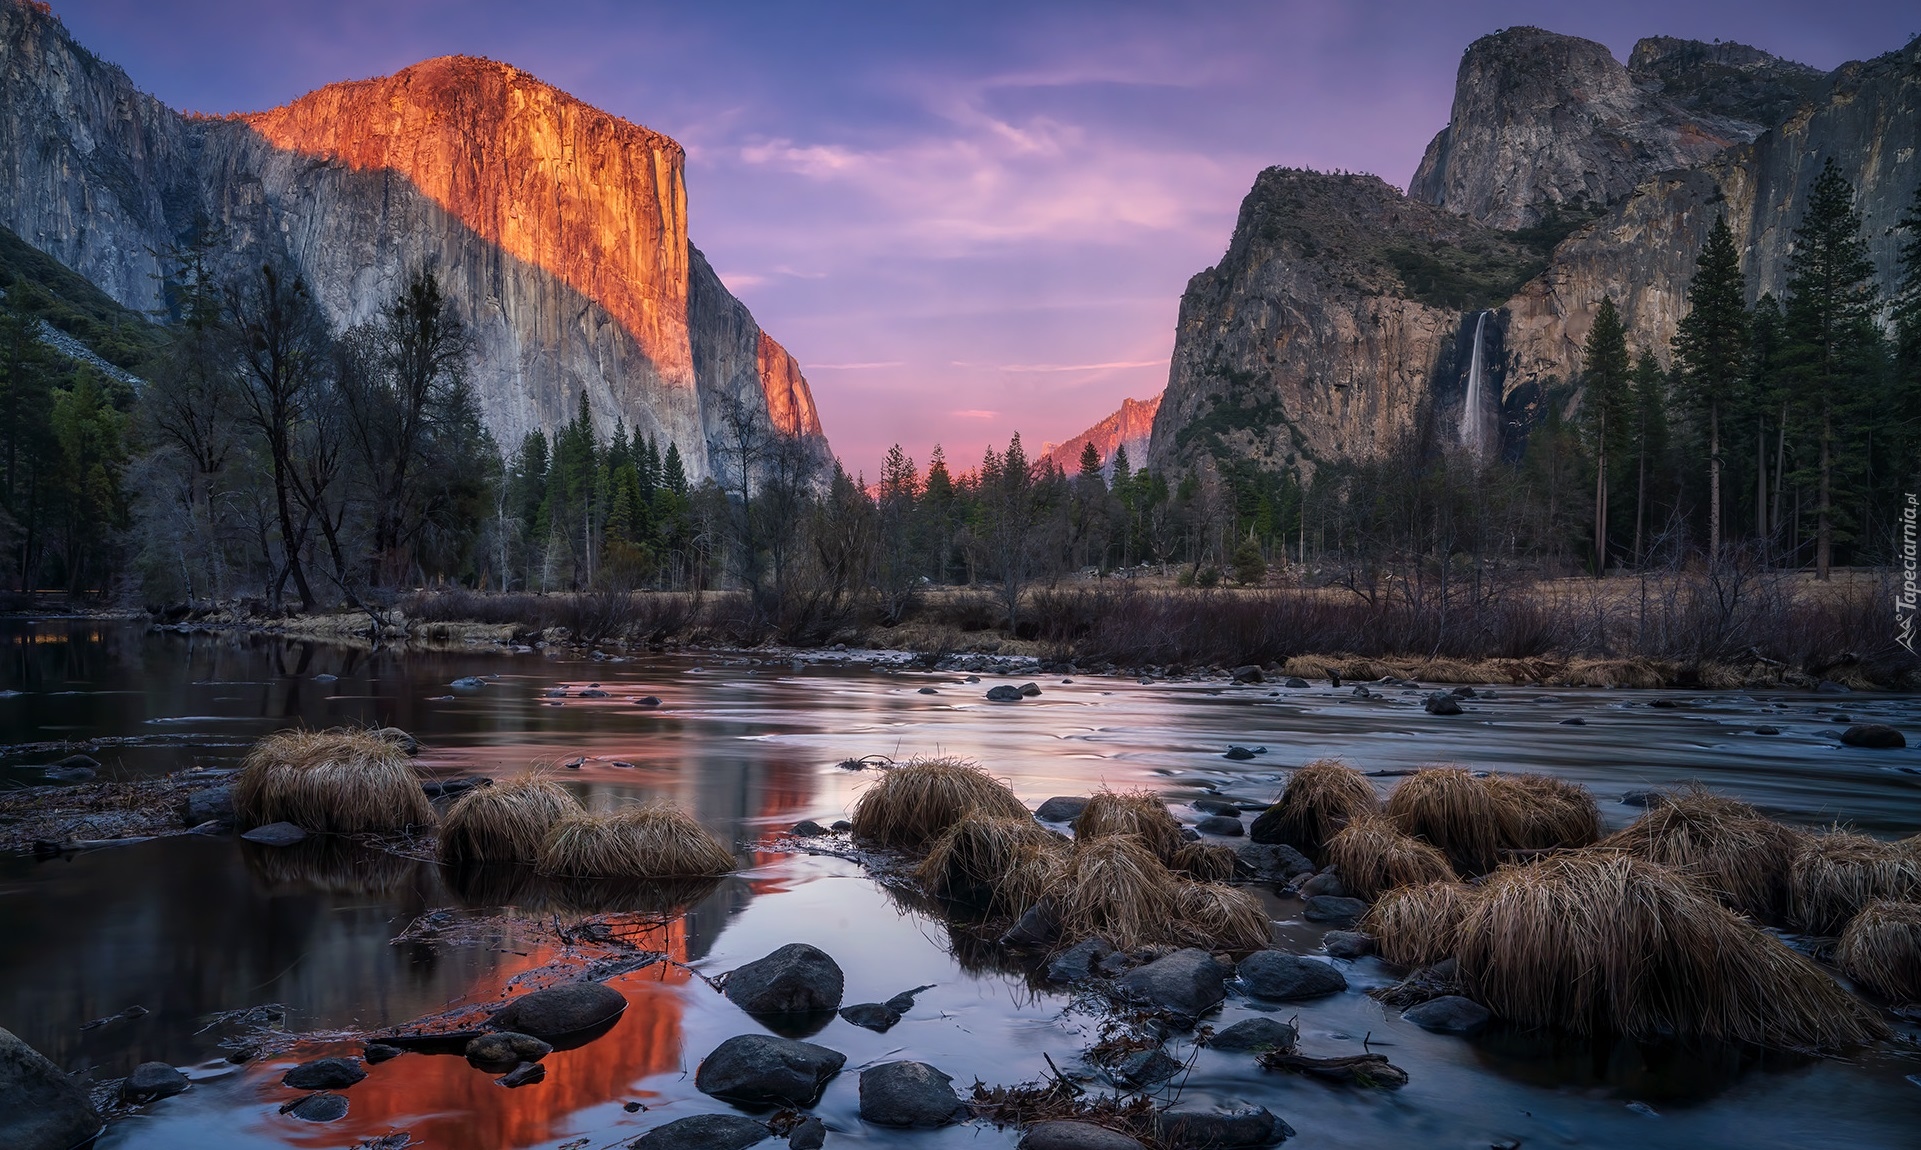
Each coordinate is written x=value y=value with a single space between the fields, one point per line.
x=188 y=927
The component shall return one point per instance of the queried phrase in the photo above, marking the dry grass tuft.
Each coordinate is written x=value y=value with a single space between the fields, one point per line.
x=343 y=780
x=1204 y=862
x=1418 y=925
x=504 y=823
x=1881 y=950
x=1553 y=814
x=1139 y=813
x=1601 y=942
x=1113 y=887
x=1221 y=918
x=1722 y=843
x=1373 y=857
x=1471 y=822
x=1319 y=800
x=644 y=841
x=913 y=804
x=999 y=864
x=1836 y=875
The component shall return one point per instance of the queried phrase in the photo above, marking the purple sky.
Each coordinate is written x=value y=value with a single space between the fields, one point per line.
x=965 y=219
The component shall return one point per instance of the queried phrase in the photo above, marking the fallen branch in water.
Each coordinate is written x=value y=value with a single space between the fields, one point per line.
x=1354 y=1069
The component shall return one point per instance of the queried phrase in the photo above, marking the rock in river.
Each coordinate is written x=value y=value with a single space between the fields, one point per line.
x=1877 y=736
x=1449 y=1014
x=40 y=1107
x=1003 y=694
x=1220 y=825
x=1334 y=910
x=810 y=1134
x=1271 y=861
x=795 y=979
x=1282 y=977
x=324 y=1106
x=1078 y=962
x=705 y=1132
x=559 y=1011
x=1061 y=809
x=1348 y=944
x=875 y=1016
x=767 y=1070
x=151 y=1081
x=324 y=1074
x=1255 y=1034
x=275 y=835
x=506 y=1048
x=1442 y=705
x=1076 y=1136
x=1186 y=984
x=1221 y=1129
x=908 y=1094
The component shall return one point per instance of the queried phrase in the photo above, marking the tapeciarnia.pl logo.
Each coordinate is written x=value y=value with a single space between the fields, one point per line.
x=1905 y=599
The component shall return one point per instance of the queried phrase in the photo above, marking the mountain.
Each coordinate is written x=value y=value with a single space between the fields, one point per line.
x=1128 y=427
x=1345 y=313
x=559 y=230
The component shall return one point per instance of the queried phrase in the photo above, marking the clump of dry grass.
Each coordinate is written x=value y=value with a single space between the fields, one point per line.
x=1318 y=801
x=1204 y=862
x=1373 y=857
x=644 y=841
x=1139 y=813
x=1471 y=822
x=343 y=780
x=1000 y=864
x=504 y=823
x=912 y=804
x=1552 y=813
x=1602 y=942
x=1217 y=917
x=1835 y=875
x=1723 y=843
x=1881 y=949
x=1418 y=925
x=1113 y=887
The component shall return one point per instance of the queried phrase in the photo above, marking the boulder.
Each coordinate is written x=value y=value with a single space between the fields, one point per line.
x=1348 y=944
x=407 y=743
x=1238 y=754
x=875 y=1016
x=1639 y=798
x=1061 y=809
x=467 y=683
x=275 y=835
x=151 y=1081
x=1450 y=1014
x=207 y=805
x=1876 y=736
x=767 y=1070
x=379 y=1052
x=1334 y=910
x=705 y=1132
x=525 y=1074
x=1442 y=705
x=1282 y=977
x=908 y=1094
x=325 y=1106
x=324 y=1074
x=1078 y=962
x=1248 y=674
x=1221 y=825
x=808 y=829
x=1030 y=690
x=795 y=979
x=1327 y=882
x=1255 y=1034
x=929 y=691
x=1038 y=926
x=1076 y=1136
x=1767 y=730
x=1576 y=721
x=1146 y=1068
x=1003 y=694
x=506 y=1048
x=1270 y=860
x=809 y=1134
x=1221 y=1129
x=1217 y=807
x=1295 y=683
x=1185 y=984
x=559 y=1011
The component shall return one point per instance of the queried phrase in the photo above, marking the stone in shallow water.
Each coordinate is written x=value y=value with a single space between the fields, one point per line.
x=767 y=1070
x=1186 y=984
x=1348 y=944
x=1221 y=825
x=1283 y=977
x=1078 y=962
x=151 y=1081
x=378 y=1052
x=705 y=1132
x=794 y=979
x=1442 y=705
x=1255 y=1034
x=40 y=1106
x=1876 y=736
x=322 y=1107
x=324 y=1074
x=1061 y=809
x=1076 y=1136
x=810 y=1134
x=1217 y=807
x=908 y=1094
x=562 y=1010
x=1449 y=1014
x=506 y=1048
x=275 y=835
x=1327 y=882
x=1334 y=909
x=1003 y=694
x=875 y=1016
x=526 y=1074
x=1221 y=1129
x=1271 y=861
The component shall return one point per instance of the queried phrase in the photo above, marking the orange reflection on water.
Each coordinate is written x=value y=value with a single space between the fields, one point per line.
x=444 y=1102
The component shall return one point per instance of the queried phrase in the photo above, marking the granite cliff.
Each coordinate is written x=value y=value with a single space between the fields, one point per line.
x=1129 y=427
x=560 y=230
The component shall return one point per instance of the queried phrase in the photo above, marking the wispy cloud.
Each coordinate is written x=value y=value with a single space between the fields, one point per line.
x=1054 y=367
x=853 y=366
x=975 y=414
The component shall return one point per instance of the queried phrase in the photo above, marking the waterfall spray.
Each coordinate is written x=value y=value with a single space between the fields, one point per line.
x=1473 y=425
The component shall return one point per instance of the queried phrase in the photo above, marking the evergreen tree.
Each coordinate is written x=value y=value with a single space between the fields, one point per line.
x=1831 y=342
x=1606 y=406
x=937 y=503
x=1091 y=462
x=1710 y=353
x=1649 y=405
x=1765 y=402
x=1904 y=411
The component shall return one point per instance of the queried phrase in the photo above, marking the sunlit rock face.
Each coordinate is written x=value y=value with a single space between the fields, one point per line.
x=560 y=230
x=1128 y=427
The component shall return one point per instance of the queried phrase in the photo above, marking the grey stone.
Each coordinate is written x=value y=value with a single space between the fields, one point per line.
x=207 y=805
x=1767 y=730
x=1348 y=944
x=808 y=829
x=1576 y=721
x=810 y=1134
x=1037 y=926
x=407 y=743
x=767 y=1070
x=1272 y=861
x=840 y=825
x=1115 y=964
x=1238 y=754
x=325 y=1106
x=1639 y=798
x=1877 y=736
x=1334 y=909
x=275 y=835
x=1186 y=984
x=1076 y=1136
x=1003 y=694
x=1030 y=690
x=1327 y=882
x=1061 y=809
x=705 y=1132
x=1830 y=687
x=467 y=683
x=559 y=1011
x=1255 y=1034
x=1248 y=674
x=525 y=1074
x=150 y=1081
x=646 y=701
x=379 y=1052
x=929 y=691
x=1221 y=825
x=1145 y=1068
x=1077 y=962
x=908 y=1094
x=1282 y=977
x=875 y=1016
x=1442 y=705
x=1217 y=807
x=40 y=1107
x=1221 y=1129
x=1449 y=1014
x=324 y=1074
x=506 y=1048
x=1296 y=683
x=794 y=979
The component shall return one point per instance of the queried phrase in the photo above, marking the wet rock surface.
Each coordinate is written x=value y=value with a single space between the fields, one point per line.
x=151 y=1081
x=324 y=1074
x=1282 y=977
x=506 y=1048
x=795 y=979
x=1450 y=1014
x=275 y=835
x=559 y=1011
x=908 y=1094
x=1255 y=1034
x=809 y=1134
x=324 y=1106
x=1874 y=736
x=1061 y=809
x=1336 y=910
x=766 y=1070
x=1271 y=861
x=1221 y=1128
x=41 y=1108
x=705 y=1132
x=1069 y=1135
x=1185 y=984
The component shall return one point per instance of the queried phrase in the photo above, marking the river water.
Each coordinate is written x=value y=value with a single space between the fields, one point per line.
x=188 y=927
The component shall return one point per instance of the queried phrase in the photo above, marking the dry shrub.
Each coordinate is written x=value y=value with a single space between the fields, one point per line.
x=644 y=841
x=1637 y=673
x=1881 y=950
x=1373 y=856
x=1221 y=918
x=912 y=804
x=1204 y=862
x=343 y=780
x=1836 y=875
x=1601 y=942
x=1418 y=925
x=1722 y=843
x=999 y=864
x=504 y=823
x=1553 y=813
x=1471 y=822
x=1318 y=801
x=1113 y=887
x=1139 y=813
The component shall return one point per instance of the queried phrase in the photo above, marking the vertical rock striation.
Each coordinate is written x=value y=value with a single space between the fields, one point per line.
x=1130 y=427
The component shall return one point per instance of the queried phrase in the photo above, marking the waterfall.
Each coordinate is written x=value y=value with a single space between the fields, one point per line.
x=1473 y=421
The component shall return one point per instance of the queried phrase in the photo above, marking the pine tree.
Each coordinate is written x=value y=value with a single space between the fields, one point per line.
x=1831 y=339
x=936 y=511
x=1649 y=404
x=673 y=474
x=1764 y=402
x=1606 y=403
x=1090 y=461
x=1905 y=410
x=1710 y=352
